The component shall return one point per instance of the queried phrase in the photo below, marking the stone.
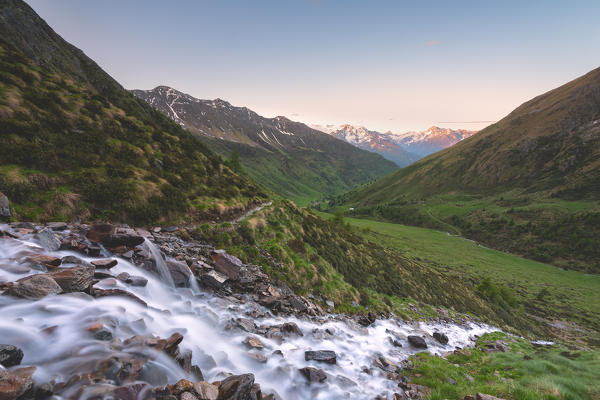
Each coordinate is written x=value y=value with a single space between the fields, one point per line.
x=15 y=383
x=172 y=343
x=187 y=396
x=10 y=355
x=103 y=334
x=105 y=263
x=246 y=324
x=132 y=391
x=236 y=387
x=57 y=226
x=206 y=391
x=326 y=356
x=469 y=397
x=440 y=337
x=291 y=328
x=48 y=239
x=368 y=319
x=214 y=279
x=118 y=292
x=482 y=396
x=313 y=374
x=4 y=206
x=99 y=232
x=76 y=279
x=43 y=260
x=261 y=358
x=122 y=239
x=34 y=287
x=134 y=280
x=180 y=273
x=253 y=342
x=227 y=264
x=417 y=341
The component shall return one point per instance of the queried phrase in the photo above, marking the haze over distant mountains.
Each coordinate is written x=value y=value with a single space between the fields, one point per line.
x=401 y=148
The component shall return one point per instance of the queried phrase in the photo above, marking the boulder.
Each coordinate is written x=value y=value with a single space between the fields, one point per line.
x=57 y=226
x=132 y=280
x=105 y=263
x=77 y=279
x=4 y=206
x=417 y=341
x=253 y=342
x=227 y=264
x=172 y=343
x=180 y=273
x=48 y=239
x=99 y=232
x=206 y=391
x=313 y=374
x=42 y=260
x=187 y=396
x=118 y=292
x=246 y=324
x=10 y=355
x=34 y=287
x=291 y=328
x=133 y=391
x=440 y=337
x=214 y=279
x=15 y=383
x=326 y=356
x=367 y=319
x=236 y=387
x=123 y=239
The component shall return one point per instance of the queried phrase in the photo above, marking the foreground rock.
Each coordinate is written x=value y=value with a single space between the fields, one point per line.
x=237 y=387
x=16 y=383
x=417 y=341
x=10 y=355
x=77 y=279
x=313 y=374
x=441 y=337
x=33 y=287
x=227 y=264
x=326 y=356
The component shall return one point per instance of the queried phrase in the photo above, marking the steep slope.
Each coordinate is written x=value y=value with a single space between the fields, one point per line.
x=75 y=144
x=286 y=156
x=529 y=183
x=403 y=149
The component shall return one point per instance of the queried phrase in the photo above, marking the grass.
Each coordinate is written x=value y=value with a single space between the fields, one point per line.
x=523 y=372
x=545 y=291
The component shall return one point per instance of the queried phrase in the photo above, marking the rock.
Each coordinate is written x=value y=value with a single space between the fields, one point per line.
x=77 y=279
x=133 y=391
x=253 y=342
x=48 y=239
x=261 y=358
x=183 y=385
x=74 y=260
x=139 y=281
x=122 y=239
x=172 y=343
x=34 y=287
x=482 y=396
x=4 y=206
x=118 y=292
x=227 y=264
x=15 y=383
x=469 y=397
x=236 y=387
x=187 y=396
x=10 y=355
x=180 y=273
x=105 y=263
x=417 y=341
x=103 y=334
x=214 y=279
x=326 y=356
x=440 y=337
x=99 y=232
x=43 y=260
x=291 y=328
x=368 y=319
x=57 y=226
x=313 y=374
x=206 y=391
x=246 y=324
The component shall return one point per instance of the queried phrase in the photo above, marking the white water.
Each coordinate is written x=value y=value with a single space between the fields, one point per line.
x=202 y=319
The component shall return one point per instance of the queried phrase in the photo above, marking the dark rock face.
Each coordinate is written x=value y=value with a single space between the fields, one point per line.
x=4 y=206
x=417 y=341
x=227 y=264
x=10 y=355
x=77 y=279
x=440 y=337
x=34 y=287
x=237 y=387
x=326 y=356
x=313 y=374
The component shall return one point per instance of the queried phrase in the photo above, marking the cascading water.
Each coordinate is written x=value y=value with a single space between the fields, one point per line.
x=161 y=265
x=54 y=336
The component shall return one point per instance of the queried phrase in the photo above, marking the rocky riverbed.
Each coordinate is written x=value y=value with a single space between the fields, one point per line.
x=113 y=312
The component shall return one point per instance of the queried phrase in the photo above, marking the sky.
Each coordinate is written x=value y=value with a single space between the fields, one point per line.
x=387 y=65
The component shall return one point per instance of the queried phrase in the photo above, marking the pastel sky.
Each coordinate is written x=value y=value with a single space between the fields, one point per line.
x=387 y=65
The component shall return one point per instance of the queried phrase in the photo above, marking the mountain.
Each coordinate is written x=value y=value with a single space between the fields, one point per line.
x=287 y=157
x=529 y=183
x=75 y=144
x=403 y=149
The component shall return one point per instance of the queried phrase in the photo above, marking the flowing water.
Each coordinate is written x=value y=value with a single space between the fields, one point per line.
x=52 y=332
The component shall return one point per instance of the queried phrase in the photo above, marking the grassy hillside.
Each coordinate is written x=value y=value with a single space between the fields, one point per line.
x=567 y=302
x=529 y=184
x=75 y=144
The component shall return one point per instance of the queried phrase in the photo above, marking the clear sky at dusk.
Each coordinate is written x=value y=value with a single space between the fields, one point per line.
x=387 y=65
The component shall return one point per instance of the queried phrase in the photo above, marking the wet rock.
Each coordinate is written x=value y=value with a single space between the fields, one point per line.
x=417 y=341
x=10 y=355
x=313 y=374
x=395 y=342
x=172 y=343
x=187 y=396
x=123 y=239
x=253 y=342
x=132 y=280
x=246 y=324
x=213 y=279
x=42 y=260
x=105 y=263
x=291 y=328
x=4 y=206
x=206 y=391
x=48 y=239
x=368 y=319
x=15 y=383
x=33 y=287
x=236 y=387
x=326 y=356
x=261 y=358
x=180 y=273
x=440 y=337
x=227 y=264
x=57 y=226
x=77 y=279
x=43 y=391
x=103 y=334
x=74 y=260
x=118 y=292
x=133 y=391
x=99 y=232
x=482 y=396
